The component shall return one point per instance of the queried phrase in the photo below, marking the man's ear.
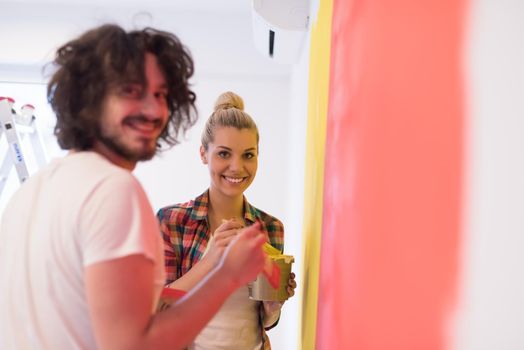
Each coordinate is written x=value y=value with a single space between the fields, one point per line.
x=203 y=154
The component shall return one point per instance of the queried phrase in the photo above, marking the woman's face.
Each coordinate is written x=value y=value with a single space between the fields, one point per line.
x=232 y=159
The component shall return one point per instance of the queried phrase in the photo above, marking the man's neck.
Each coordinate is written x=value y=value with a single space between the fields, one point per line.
x=114 y=158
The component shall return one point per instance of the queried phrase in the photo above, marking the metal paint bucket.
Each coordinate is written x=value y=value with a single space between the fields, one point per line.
x=260 y=289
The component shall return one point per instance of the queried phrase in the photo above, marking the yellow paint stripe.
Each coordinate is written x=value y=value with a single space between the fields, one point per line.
x=320 y=50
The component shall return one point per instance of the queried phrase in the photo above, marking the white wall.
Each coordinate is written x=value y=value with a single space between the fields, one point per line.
x=178 y=175
x=288 y=331
x=491 y=310
x=221 y=43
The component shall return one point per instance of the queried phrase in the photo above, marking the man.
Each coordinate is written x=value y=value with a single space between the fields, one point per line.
x=81 y=263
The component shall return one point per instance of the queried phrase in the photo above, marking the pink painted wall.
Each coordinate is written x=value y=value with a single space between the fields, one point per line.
x=390 y=236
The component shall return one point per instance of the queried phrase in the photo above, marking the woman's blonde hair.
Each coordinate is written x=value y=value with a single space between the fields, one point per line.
x=229 y=112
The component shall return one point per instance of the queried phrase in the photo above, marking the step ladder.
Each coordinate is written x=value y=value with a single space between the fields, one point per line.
x=15 y=128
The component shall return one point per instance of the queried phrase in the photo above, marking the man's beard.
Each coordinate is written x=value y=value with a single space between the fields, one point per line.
x=132 y=155
x=114 y=143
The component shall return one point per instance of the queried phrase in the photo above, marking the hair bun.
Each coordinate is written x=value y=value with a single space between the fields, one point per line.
x=229 y=100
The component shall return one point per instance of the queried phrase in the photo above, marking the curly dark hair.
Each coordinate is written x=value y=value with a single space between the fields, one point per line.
x=107 y=56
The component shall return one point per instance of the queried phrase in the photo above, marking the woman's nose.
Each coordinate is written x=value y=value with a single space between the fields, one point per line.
x=236 y=163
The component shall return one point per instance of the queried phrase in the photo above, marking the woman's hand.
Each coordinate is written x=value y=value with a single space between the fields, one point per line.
x=272 y=308
x=221 y=238
x=227 y=231
x=291 y=285
x=244 y=258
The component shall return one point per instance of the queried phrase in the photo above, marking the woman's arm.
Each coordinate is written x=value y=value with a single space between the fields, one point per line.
x=219 y=241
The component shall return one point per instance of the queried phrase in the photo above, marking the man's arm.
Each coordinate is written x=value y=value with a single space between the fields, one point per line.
x=221 y=238
x=120 y=297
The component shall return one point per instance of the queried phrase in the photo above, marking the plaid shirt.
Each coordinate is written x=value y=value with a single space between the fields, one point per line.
x=185 y=230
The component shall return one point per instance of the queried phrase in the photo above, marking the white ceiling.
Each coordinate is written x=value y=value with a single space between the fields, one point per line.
x=217 y=32
x=178 y=5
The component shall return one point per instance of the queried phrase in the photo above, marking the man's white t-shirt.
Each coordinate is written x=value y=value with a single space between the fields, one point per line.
x=77 y=211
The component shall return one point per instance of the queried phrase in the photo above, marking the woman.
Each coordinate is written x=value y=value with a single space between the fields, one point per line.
x=196 y=233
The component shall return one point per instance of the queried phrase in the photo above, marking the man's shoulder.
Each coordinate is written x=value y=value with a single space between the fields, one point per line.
x=85 y=167
x=79 y=174
x=96 y=164
x=97 y=173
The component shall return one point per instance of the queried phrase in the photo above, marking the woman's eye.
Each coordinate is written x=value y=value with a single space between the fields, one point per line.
x=223 y=154
x=249 y=155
